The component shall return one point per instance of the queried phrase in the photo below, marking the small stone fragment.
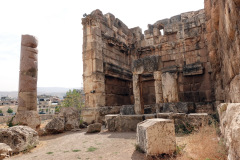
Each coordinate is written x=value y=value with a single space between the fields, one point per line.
x=92 y=128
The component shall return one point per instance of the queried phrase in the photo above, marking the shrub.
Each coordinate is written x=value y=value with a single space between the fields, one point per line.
x=10 y=110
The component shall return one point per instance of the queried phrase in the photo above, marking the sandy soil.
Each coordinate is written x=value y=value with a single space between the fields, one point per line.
x=79 y=145
x=201 y=145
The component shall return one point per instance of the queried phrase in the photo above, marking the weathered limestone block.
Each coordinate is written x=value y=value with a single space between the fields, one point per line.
x=90 y=115
x=71 y=118
x=234 y=90
x=158 y=86
x=156 y=136
x=27 y=94
x=193 y=69
x=170 y=87
x=127 y=110
x=92 y=128
x=5 y=151
x=19 y=138
x=137 y=91
x=56 y=125
x=123 y=123
x=180 y=107
x=229 y=114
x=28 y=118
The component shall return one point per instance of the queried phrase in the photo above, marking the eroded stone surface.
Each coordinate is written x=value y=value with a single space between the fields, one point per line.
x=229 y=114
x=28 y=118
x=56 y=125
x=71 y=118
x=156 y=136
x=27 y=94
x=19 y=138
x=92 y=128
x=5 y=151
x=122 y=66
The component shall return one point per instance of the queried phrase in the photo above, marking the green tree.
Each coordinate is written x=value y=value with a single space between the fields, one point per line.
x=10 y=110
x=1 y=111
x=73 y=99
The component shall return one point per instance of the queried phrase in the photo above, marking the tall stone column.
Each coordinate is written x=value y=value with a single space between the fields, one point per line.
x=158 y=86
x=137 y=91
x=27 y=93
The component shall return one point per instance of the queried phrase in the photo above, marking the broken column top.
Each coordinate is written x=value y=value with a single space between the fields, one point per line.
x=29 y=41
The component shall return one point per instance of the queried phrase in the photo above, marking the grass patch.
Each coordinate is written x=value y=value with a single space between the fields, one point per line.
x=49 y=153
x=65 y=151
x=184 y=128
x=76 y=150
x=138 y=148
x=28 y=149
x=179 y=149
x=204 y=144
x=223 y=108
x=91 y=149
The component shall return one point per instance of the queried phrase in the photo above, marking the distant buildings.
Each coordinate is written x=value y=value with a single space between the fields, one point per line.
x=46 y=104
x=7 y=101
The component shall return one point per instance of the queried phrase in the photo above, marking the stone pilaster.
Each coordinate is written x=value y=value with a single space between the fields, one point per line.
x=137 y=91
x=27 y=94
x=158 y=87
x=93 y=76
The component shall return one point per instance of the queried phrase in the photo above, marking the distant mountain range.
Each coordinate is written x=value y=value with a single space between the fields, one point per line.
x=53 y=91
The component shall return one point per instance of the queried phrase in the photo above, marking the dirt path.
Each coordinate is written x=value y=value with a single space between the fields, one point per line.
x=199 y=145
x=79 y=145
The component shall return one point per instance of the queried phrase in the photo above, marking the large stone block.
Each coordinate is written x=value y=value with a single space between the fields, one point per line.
x=170 y=87
x=127 y=110
x=123 y=123
x=229 y=114
x=29 y=118
x=19 y=138
x=156 y=136
x=180 y=107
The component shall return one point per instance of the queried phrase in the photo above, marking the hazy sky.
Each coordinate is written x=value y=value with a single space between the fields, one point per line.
x=57 y=25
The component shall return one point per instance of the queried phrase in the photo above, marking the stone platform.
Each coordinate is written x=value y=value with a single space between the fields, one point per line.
x=128 y=123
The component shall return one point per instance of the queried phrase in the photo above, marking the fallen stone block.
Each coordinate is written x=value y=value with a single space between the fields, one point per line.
x=19 y=138
x=123 y=123
x=156 y=137
x=92 y=128
x=56 y=125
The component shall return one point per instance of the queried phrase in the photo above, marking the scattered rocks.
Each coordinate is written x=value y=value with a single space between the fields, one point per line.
x=71 y=118
x=67 y=120
x=5 y=151
x=55 y=126
x=92 y=128
x=19 y=138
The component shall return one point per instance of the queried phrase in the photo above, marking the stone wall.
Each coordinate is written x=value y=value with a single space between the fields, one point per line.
x=183 y=50
x=174 y=47
x=223 y=39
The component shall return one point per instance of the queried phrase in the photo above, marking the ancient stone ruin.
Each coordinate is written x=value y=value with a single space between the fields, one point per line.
x=188 y=63
x=167 y=64
x=27 y=95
